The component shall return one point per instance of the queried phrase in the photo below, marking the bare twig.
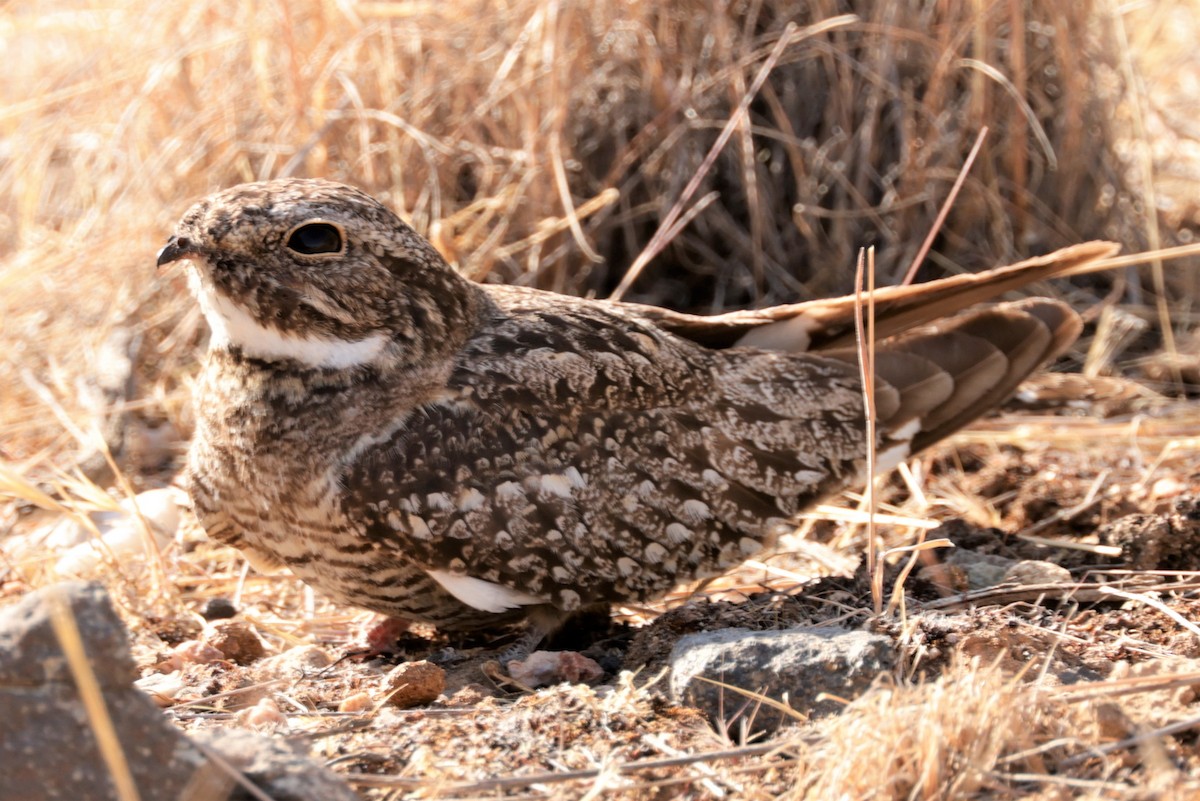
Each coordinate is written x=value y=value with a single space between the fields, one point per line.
x=945 y=209
x=66 y=629
x=511 y=782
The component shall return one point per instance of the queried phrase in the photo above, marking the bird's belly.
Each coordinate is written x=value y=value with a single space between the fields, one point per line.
x=305 y=531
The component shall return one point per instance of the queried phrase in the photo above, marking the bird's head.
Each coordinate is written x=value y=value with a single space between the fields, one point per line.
x=317 y=273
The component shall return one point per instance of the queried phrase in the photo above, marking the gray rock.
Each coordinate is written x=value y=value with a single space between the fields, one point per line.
x=1036 y=571
x=29 y=650
x=799 y=664
x=276 y=767
x=48 y=748
x=48 y=743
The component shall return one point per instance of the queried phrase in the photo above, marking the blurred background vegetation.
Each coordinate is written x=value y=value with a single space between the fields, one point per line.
x=545 y=143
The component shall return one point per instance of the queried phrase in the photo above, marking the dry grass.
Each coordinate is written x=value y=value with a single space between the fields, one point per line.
x=541 y=144
x=976 y=732
x=547 y=143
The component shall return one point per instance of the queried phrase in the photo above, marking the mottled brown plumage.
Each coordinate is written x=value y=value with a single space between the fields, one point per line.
x=411 y=442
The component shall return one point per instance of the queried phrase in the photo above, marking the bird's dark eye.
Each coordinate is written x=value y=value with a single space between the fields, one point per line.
x=317 y=237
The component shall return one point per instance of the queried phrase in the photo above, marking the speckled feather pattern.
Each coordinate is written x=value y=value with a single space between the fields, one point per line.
x=572 y=451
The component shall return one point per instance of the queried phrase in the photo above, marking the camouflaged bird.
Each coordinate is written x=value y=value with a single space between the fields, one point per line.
x=412 y=442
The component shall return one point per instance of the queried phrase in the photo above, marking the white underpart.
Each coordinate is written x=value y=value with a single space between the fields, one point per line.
x=792 y=335
x=482 y=595
x=888 y=458
x=233 y=326
x=559 y=485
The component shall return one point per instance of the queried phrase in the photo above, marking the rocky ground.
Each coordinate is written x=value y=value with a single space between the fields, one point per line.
x=1039 y=644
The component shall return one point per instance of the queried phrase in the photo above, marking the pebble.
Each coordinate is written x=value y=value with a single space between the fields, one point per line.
x=414 y=684
x=236 y=639
x=543 y=668
x=218 y=609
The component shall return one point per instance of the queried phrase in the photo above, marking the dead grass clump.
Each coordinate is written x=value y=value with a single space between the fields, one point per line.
x=537 y=143
x=495 y=129
x=542 y=144
x=973 y=733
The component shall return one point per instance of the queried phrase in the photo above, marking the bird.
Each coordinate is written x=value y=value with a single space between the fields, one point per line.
x=479 y=456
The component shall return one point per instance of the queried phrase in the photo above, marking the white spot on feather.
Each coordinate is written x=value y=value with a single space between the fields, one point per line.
x=906 y=431
x=439 y=502
x=557 y=485
x=577 y=480
x=469 y=500
x=695 y=512
x=888 y=458
x=417 y=528
x=809 y=478
x=482 y=595
x=792 y=335
x=510 y=491
x=677 y=533
x=655 y=553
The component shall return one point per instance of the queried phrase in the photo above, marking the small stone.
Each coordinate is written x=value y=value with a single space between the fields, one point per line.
x=189 y=652
x=1167 y=487
x=1036 y=571
x=47 y=748
x=292 y=664
x=1112 y=722
x=983 y=570
x=1169 y=541
x=49 y=751
x=800 y=664
x=359 y=702
x=277 y=767
x=543 y=668
x=163 y=688
x=468 y=695
x=414 y=684
x=264 y=716
x=218 y=609
x=122 y=534
x=236 y=639
x=948 y=578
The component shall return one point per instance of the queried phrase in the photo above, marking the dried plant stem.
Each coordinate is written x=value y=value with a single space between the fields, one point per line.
x=511 y=782
x=1146 y=599
x=1149 y=194
x=62 y=619
x=945 y=209
x=865 y=340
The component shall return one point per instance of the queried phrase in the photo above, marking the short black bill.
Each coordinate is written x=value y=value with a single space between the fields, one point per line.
x=176 y=249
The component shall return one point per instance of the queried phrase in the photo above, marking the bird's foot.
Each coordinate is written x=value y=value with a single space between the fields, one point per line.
x=523 y=647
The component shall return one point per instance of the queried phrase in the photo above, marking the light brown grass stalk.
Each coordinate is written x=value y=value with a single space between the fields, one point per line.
x=111 y=749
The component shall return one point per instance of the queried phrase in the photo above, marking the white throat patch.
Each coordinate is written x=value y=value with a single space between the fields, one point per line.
x=232 y=326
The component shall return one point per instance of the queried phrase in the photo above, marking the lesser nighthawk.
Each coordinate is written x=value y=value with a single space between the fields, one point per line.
x=412 y=442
